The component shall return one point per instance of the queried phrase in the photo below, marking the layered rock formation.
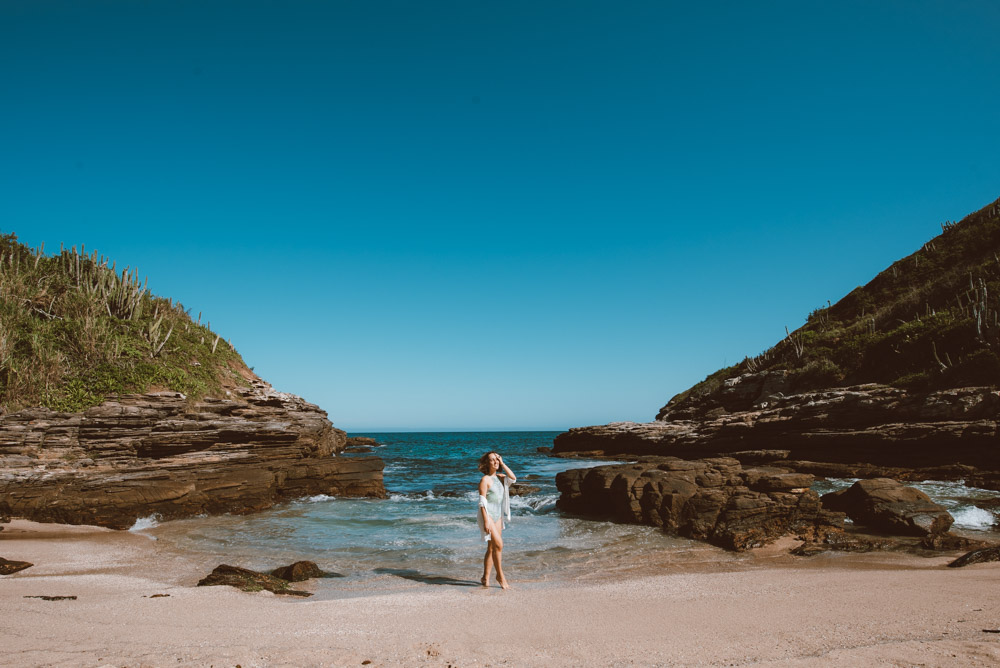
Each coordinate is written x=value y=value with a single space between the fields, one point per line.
x=713 y=499
x=873 y=424
x=158 y=454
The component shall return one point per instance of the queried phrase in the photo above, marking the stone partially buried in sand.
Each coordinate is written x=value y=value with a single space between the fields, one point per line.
x=7 y=566
x=299 y=571
x=977 y=557
x=248 y=580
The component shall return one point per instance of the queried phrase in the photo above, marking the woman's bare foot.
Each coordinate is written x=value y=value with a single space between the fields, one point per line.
x=484 y=581
x=503 y=583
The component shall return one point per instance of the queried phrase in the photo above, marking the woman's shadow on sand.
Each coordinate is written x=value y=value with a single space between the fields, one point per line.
x=417 y=576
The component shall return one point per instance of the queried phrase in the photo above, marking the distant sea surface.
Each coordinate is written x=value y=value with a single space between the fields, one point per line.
x=426 y=531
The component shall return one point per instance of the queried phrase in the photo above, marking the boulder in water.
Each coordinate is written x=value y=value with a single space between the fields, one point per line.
x=888 y=505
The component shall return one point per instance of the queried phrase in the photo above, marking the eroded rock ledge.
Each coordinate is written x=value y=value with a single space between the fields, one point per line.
x=714 y=499
x=158 y=454
x=874 y=424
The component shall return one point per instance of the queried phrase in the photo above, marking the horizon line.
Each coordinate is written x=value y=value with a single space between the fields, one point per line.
x=442 y=431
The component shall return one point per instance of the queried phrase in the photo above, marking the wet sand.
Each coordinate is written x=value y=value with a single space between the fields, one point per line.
x=771 y=609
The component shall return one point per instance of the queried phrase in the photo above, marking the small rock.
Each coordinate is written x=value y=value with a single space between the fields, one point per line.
x=299 y=571
x=520 y=489
x=543 y=450
x=54 y=598
x=7 y=567
x=977 y=557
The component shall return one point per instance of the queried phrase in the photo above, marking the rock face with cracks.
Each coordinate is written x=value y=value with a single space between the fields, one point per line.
x=714 y=499
x=158 y=454
x=876 y=424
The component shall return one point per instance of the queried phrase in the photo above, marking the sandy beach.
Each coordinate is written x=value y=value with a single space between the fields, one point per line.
x=862 y=610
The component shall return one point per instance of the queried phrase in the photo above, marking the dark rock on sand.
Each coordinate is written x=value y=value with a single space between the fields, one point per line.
x=950 y=542
x=888 y=505
x=248 y=580
x=139 y=455
x=715 y=499
x=977 y=557
x=299 y=571
x=841 y=541
x=855 y=541
x=7 y=566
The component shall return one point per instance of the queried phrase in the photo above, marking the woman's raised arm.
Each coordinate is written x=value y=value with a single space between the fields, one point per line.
x=506 y=470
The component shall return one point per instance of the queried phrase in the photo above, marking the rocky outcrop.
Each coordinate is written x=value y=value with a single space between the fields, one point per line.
x=362 y=441
x=715 y=499
x=360 y=444
x=887 y=505
x=159 y=454
x=873 y=424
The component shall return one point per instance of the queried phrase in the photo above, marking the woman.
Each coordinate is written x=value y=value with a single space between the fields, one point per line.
x=494 y=507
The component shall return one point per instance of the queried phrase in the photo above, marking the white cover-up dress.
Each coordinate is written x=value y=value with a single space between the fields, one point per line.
x=497 y=504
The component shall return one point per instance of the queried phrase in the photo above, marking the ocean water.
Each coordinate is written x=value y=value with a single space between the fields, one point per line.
x=426 y=531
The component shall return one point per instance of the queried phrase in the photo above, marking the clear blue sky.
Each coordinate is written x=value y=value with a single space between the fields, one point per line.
x=510 y=215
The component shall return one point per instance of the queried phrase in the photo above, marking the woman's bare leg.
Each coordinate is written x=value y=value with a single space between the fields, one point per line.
x=498 y=558
x=487 y=564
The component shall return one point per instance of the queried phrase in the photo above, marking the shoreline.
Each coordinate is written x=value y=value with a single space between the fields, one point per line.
x=860 y=609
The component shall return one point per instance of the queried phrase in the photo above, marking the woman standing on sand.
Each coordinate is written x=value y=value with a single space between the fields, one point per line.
x=494 y=508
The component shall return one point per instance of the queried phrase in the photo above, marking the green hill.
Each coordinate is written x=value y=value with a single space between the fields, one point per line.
x=74 y=329
x=929 y=321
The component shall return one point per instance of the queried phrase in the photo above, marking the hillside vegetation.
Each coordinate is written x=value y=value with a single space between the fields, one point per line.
x=929 y=321
x=74 y=329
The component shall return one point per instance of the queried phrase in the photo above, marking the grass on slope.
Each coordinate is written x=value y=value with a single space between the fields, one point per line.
x=929 y=321
x=73 y=330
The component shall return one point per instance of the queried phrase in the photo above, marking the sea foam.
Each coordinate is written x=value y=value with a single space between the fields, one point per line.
x=145 y=523
x=973 y=517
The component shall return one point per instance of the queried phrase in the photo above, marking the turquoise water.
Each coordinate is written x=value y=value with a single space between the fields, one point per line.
x=426 y=531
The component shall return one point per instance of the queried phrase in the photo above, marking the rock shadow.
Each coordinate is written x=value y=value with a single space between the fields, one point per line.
x=417 y=576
